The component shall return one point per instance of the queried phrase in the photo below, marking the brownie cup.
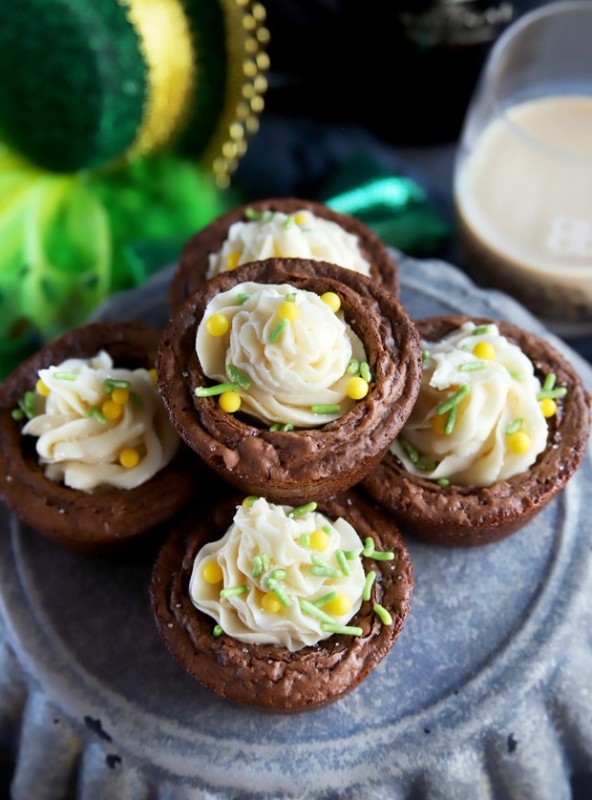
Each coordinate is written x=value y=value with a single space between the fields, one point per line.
x=310 y=462
x=100 y=521
x=464 y=515
x=192 y=270
x=270 y=676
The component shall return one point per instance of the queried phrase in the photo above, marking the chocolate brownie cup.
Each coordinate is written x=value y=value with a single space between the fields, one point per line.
x=292 y=676
x=102 y=518
x=456 y=513
x=298 y=452
x=357 y=248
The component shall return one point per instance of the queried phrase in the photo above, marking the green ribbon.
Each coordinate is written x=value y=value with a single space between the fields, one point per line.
x=68 y=241
x=395 y=207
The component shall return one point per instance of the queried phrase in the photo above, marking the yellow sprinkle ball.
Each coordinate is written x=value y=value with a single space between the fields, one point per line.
x=41 y=388
x=120 y=396
x=129 y=458
x=212 y=572
x=519 y=443
x=548 y=406
x=333 y=301
x=232 y=260
x=230 y=402
x=217 y=325
x=300 y=218
x=153 y=376
x=270 y=603
x=339 y=606
x=111 y=410
x=356 y=388
x=289 y=311
x=484 y=351
x=319 y=540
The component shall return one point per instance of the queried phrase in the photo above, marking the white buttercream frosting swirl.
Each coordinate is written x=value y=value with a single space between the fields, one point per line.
x=499 y=402
x=267 y=532
x=278 y=235
x=82 y=450
x=305 y=366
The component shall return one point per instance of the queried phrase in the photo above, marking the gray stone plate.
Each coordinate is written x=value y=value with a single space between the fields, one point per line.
x=486 y=694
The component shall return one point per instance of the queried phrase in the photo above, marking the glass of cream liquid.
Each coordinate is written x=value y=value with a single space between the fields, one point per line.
x=523 y=169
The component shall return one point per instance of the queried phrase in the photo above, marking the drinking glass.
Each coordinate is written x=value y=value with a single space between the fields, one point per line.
x=523 y=168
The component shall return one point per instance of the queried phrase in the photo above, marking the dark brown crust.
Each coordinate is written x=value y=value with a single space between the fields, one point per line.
x=464 y=517
x=308 y=464
x=268 y=676
x=193 y=265
x=98 y=522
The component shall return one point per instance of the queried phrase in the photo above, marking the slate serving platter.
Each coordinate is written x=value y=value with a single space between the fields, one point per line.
x=487 y=694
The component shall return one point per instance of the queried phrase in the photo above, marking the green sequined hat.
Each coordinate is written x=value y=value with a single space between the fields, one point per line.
x=87 y=83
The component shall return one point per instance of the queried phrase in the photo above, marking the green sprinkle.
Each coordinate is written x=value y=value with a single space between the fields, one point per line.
x=325 y=408
x=326 y=529
x=288 y=427
x=443 y=482
x=382 y=555
x=257 y=566
x=238 y=376
x=480 y=329
x=450 y=421
x=342 y=562
x=318 y=561
x=514 y=426
x=232 y=591
x=17 y=414
x=248 y=501
x=368 y=583
x=384 y=615
x=326 y=598
x=549 y=382
x=412 y=453
x=368 y=546
x=65 y=376
x=242 y=298
x=275 y=427
x=217 y=631
x=426 y=464
x=324 y=572
x=425 y=355
x=304 y=540
x=265 y=559
x=219 y=388
x=112 y=383
x=277 y=331
x=365 y=371
x=347 y=630
x=282 y=596
x=288 y=222
x=516 y=374
x=251 y=213
x=29 y=404
x=314 y=611
x=290 y=298
x=453 y=400
x=353 y=367
x=277 y=574
x=351 y=555
x=552 y=393
x=300 y=511
x=96 y=414
x=278 y=426
x=472 y=366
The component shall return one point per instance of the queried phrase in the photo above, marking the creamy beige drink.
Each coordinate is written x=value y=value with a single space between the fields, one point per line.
x=524 y=202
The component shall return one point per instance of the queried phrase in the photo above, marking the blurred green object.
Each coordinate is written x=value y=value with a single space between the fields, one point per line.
x=67 y=241
x=394 y=206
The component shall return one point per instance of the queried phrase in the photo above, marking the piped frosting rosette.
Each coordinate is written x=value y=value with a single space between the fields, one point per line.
x=85 y=442
x=286 y=227
x=290 y=377
x=282 y=607
x=500 y=425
